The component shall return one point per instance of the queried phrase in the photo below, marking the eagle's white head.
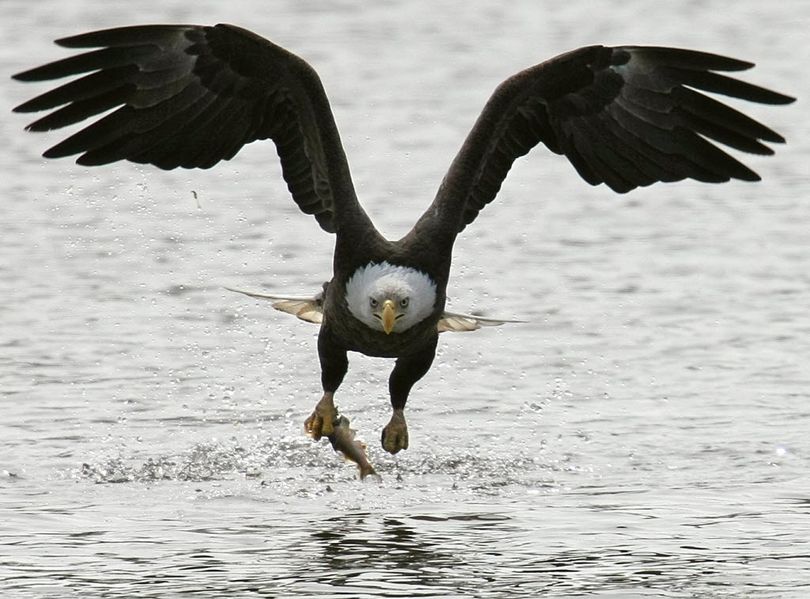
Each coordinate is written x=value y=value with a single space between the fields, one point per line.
x=390 y=298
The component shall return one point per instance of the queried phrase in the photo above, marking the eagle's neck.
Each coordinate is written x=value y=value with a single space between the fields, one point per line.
x=410 y=293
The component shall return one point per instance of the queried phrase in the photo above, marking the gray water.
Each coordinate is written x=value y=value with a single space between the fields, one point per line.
x=644 y=434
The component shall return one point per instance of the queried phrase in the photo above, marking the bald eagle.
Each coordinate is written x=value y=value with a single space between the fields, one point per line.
x=190 y=96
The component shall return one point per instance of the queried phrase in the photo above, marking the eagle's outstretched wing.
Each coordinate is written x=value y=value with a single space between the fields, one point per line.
x=627 y=116
x=190 y=96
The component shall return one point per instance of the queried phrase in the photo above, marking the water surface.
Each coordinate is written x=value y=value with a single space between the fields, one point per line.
x=643 y=435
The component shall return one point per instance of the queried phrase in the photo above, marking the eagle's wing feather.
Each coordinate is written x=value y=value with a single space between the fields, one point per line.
x=190 y=96
x=626 y=116
x=461 y=323
x=309 y=309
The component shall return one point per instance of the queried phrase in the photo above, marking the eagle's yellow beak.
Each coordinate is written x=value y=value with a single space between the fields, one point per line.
x=389 y=316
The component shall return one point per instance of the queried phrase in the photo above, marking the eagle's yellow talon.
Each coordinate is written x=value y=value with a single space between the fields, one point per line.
x=395 y=433
x=321 y=423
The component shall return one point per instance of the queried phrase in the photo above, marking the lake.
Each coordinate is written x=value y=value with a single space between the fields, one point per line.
x=643 y=434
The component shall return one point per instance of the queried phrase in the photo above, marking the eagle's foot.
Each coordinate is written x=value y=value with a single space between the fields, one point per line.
x=321 y=422
x=395 y=433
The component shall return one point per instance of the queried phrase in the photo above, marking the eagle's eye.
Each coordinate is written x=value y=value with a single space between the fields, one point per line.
x=404 y=302
x=372 y=302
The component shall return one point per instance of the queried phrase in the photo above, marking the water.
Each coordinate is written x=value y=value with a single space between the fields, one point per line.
x=643 y=435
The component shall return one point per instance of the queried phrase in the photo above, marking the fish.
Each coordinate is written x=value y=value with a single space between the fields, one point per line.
x=342 y=440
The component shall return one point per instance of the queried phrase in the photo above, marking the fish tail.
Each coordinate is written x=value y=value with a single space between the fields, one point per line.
x=368 y=470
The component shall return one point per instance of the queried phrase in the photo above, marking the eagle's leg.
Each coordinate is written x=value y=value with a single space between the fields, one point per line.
x=407 y=371
x=334 y=364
